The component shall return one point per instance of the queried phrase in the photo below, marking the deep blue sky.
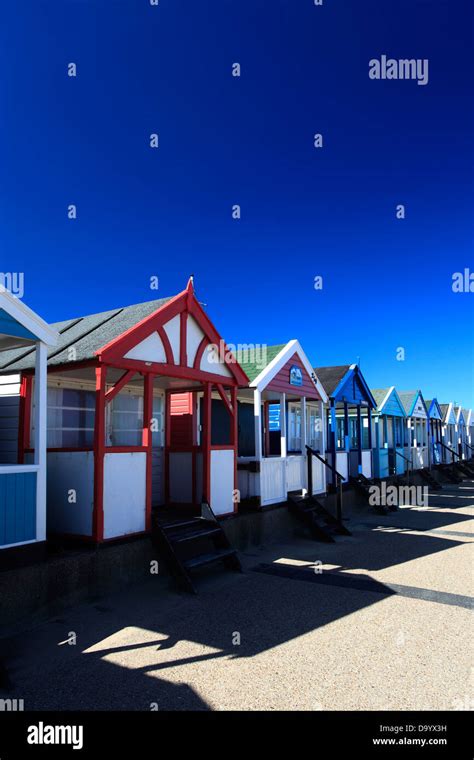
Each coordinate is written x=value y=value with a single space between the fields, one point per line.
x=305 y=212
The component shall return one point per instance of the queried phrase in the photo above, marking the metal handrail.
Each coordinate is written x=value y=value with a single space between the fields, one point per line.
x=448 y=448
x=410 y=464
x=339 y=480
x=402 y=456
x=324 y=461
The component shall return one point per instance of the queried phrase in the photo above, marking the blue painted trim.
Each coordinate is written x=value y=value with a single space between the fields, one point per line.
x=418 y=395
x=393 y=394
x=17 y=507
x=10 y=326
x=437 y=414
x=351 y=374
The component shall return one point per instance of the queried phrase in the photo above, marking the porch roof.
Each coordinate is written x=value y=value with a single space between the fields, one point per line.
x=409 y=400
x=346 y=382
x=332 y=376
x=85 y=334
x=20 y=327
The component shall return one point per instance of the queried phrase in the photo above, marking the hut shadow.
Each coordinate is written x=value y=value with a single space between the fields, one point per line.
x=127 y=646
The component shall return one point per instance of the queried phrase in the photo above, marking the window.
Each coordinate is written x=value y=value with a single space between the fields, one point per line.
x=70 y=418
x=353 y=438
x=365 y=432
x=125 y=420
x=340 y=433
x=294 y=427
x=383 y=441
x=398 y=439
x=313 y=427
x=246 y=429
x=407 y=432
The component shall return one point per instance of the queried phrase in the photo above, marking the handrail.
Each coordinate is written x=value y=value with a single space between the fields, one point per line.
x=469 y=447
x=402 y=456
x=448 y=448
x=325 y=462
x=207 y=512
x=339 y=479
x=407 y=459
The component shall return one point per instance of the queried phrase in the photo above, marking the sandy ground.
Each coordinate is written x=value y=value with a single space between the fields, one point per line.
x=385 y=625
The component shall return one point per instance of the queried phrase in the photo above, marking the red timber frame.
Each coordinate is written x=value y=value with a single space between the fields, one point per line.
x=113 y=355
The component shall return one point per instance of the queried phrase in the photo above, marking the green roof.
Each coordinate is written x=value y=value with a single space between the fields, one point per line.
x=254 y=360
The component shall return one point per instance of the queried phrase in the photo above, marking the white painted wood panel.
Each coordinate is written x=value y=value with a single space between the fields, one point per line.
x=149 y=350
x=272 y=480
x=172 y=330
x=124 y=493
x=342 y=464
x=367 y=463
x=319 y=476
x=211 y=362
x=295 y=475
x=222 y=481
x=194 y=336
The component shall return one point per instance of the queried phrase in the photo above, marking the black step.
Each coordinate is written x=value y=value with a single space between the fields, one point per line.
x=184 y=536
x=193 y=542
x=428 y=478
x=207 y=559
x=173 y=525
x=321 y=524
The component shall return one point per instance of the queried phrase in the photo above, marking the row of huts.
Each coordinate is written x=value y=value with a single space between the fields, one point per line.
x=106 y=417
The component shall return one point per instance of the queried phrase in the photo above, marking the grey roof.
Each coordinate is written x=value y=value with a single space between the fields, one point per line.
x=444 y=409
x=330 y=377
x=85 y=334
x=379 y=394
x=407 y=398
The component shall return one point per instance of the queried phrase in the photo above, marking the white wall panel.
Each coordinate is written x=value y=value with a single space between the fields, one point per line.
x=222 y=481
x=124 y=493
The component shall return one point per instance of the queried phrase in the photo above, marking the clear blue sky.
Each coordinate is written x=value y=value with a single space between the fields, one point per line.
x=223 y=140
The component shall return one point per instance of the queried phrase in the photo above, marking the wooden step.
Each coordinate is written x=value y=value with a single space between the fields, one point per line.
x=207 y=559
x=184 y=536
x=173 y=525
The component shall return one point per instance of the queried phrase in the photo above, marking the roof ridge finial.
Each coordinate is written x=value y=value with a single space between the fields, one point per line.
x=190 y=285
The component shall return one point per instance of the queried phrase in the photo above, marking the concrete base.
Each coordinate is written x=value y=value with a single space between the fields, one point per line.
x=45 y=588
x=19 y=556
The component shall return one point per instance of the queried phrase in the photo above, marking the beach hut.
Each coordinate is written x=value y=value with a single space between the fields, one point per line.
x=435 y=431
x=388 y=433
x=416 y=431
x=119 y=436
x=23 y=485
x=280 y=413
x=349 y=427
x=469 y=433
x=448 y=442
x=460 y=447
